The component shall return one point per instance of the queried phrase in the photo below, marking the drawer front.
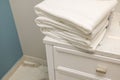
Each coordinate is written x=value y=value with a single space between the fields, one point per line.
x=64 y=73
x=87 y=63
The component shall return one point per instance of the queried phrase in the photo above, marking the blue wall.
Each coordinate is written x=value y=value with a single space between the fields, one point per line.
x=10 y=50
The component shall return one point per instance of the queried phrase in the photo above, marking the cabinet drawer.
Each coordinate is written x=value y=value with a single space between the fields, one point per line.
x=87 y=63
x=64 y=73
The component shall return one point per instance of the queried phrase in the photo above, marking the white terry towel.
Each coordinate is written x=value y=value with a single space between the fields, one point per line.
x=45 y=22
x=72 y=38
x=82 y=14
x=79 y=43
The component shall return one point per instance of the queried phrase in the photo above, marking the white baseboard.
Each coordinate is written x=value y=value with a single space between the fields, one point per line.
x=35 y=60
x=13 y=69
x=21 y=61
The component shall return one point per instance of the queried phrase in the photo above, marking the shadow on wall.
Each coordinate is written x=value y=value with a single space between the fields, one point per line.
x=10 y=50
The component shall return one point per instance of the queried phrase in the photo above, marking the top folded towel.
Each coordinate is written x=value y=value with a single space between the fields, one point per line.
x=82 y=14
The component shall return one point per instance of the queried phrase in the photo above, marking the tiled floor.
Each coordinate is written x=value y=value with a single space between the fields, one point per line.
x=30 y=71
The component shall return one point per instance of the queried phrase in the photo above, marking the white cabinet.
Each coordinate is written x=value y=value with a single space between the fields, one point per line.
x=83 y=65
x=68 y=63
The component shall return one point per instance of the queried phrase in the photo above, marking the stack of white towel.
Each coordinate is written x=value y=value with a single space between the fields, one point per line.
x=82 y=23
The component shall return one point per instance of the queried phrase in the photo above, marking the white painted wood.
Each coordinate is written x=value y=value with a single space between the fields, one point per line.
x=86 y=62
x=50 y=61
x=79 y=74
x=13 y=69
x=22 y=61
x=35 y=60
x=30 y=69
x=92 y=56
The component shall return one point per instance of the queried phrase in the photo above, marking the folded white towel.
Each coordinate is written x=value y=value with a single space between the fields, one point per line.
x=70 y=37
x=82 y=14
x=80 y=45
x=92 y=47
x=45 y=22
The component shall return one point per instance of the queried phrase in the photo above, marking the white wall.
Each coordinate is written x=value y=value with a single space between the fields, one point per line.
x=30 y=36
